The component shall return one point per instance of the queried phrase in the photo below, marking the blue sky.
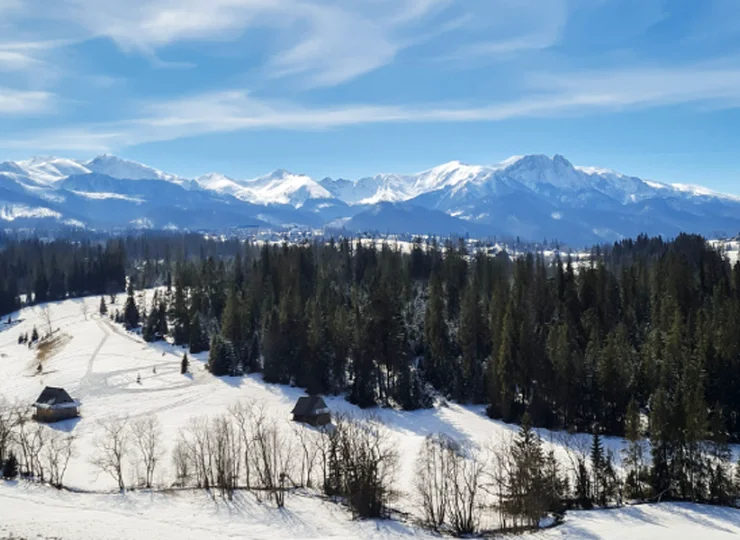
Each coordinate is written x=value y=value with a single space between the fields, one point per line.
x=354 y=87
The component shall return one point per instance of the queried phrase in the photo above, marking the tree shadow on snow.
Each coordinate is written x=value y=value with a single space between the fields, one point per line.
x=711 y=518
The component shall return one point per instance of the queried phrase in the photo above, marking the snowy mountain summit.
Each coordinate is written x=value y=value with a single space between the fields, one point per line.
x=532 y=196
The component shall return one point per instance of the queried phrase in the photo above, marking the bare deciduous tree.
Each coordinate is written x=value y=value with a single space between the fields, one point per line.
x=59 y=451
x=147 y=438
x=46 y=315
x=112 y=449
x=309 y=442
x=271 y=459
x=31 y=439
x=466 y=472
x=182 y=462
x=227 y=454
x=245 y=415
x=9 y=418
x=433 y=481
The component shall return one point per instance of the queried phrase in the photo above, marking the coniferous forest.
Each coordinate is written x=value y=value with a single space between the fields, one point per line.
x=641 y=340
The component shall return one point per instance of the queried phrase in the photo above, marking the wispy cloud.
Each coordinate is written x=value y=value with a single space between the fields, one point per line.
x=16 y=61
x=322 y=41
x=21 y=102
x=229 y=111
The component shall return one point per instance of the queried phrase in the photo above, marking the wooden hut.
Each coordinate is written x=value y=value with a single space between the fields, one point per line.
x=311 y=410
x=55 y=404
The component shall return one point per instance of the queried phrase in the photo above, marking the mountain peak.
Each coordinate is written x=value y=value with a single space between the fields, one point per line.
x=124 y=169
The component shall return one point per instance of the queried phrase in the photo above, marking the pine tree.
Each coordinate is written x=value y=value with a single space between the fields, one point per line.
x=597 y=468
x=162 y=328
x=634 y=453
x=10 y=467
x=34 y=335
x=185 y=364
x=471 y=339
x=180 y=316
x=130 y=311
x=529 y=493
x=149 y=330
x=436 y=357
x=221 y=358
x=660 y=444
x=505 y=367
x=198 y=337
x=103 y=310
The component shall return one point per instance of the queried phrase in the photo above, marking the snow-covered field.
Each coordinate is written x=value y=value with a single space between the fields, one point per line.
x=32 y=511
x=98 y=363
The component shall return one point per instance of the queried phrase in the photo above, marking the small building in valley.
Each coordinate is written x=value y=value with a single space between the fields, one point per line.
x=55 y=404
x=311 y=410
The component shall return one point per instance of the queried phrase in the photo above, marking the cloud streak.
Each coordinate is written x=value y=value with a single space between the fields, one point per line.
x=21 y=102
x=579 y=93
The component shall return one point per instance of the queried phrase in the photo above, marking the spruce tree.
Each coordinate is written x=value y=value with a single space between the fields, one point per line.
x=130 y=311
x=505 y=375
x=198 y=337
x=10 y=467
x=184 y=364
x=103 y=310
x=598 y=479
x=634 y=453
x=436 y=354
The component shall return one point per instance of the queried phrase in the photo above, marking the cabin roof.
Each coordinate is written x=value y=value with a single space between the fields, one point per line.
x=308 y=405
x=53 y=396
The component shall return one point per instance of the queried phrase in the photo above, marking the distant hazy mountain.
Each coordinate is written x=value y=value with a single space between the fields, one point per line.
x=533 y=197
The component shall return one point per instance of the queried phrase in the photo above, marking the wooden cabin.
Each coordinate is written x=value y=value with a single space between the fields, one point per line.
x=311 y=410
x=55 y=404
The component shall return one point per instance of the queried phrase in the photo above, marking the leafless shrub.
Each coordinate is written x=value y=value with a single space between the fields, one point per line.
x=360 y=466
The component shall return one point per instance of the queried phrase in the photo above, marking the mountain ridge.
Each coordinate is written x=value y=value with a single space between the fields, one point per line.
x=532 y=196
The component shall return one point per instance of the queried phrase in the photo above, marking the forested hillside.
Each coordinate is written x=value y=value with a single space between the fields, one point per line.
x=640 y=341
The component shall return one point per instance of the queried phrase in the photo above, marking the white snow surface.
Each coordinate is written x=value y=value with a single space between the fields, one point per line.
x=128 y=170
x=99 y=364
x=665 y=521
x=283 y=187
x=11 y=212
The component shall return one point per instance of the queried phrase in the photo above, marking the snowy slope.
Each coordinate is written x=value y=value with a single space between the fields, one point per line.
x=31 y=511
x=99 y=364
x=666 y=521
x=51 y=169
x=283 y=187
x=127 y=170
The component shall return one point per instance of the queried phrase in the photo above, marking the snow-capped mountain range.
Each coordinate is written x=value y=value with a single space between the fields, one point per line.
x=534 y=197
